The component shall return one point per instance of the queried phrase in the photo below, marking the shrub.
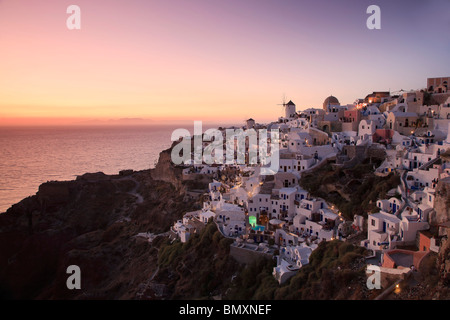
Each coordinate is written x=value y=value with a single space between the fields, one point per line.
x=349 y=257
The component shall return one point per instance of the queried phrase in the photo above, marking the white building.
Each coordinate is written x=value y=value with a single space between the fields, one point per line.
x=419 y=178
x=317 y=230
x=291 y=259
x=409 y=226
x=391 y=205
x=231 y=218
x=307 y=207
x=366 y=130
x=204 y=216
x=382 y=227
x=286 y=202
x=284 y=271
x=258 y=203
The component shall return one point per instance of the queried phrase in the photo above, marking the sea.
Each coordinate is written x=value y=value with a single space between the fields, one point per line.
x=30 y=156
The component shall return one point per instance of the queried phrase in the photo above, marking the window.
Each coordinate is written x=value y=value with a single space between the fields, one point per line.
x=373 y=222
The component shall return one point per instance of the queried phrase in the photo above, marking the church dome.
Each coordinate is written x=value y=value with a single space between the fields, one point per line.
x=330 y=101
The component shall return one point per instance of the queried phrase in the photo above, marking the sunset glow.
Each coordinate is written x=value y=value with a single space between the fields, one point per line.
x=165 y=60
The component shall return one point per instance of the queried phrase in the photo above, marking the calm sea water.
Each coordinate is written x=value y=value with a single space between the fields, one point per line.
x=31 y=156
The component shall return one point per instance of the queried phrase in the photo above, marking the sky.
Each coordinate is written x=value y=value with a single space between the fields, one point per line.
x=225 y=60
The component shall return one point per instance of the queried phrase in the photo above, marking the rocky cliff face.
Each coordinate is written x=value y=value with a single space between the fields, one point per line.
x=444 y=263
x=442 y=202
x=166 y=171
x=92 y=222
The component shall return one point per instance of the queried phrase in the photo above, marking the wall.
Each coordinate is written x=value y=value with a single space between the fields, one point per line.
x=424 y=242
x=246 y=256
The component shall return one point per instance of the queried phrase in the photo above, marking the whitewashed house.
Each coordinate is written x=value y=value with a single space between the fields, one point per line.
x=382 y=228
x=391 y=205
x=419 y=178
x=204 y=216
x=214 y=190
x=309 y=206
x=409 y=226
x=366 y=130
x=317 y=230
x=258 y=203
x=287 y=198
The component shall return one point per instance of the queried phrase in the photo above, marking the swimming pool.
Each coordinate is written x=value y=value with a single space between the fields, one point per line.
x=258 y=228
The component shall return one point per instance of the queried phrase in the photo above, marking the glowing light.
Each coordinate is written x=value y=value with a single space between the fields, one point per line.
x=252 y=220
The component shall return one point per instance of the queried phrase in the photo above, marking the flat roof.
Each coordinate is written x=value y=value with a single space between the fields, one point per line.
x=385 y=216
x=288 y=190
x=402 y=258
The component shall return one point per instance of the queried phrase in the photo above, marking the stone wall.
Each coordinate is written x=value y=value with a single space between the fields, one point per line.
x=247 y=256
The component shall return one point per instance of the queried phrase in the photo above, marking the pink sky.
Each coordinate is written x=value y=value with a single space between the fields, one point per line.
x=204 y=60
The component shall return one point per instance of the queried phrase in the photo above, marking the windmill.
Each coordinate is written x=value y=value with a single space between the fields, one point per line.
x=250 y=123
x=289 y=108
x=283 y=104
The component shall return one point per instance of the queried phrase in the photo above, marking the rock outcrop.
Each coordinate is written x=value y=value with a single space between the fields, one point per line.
x=442 y=202
x=92 y=222
x=166 y=171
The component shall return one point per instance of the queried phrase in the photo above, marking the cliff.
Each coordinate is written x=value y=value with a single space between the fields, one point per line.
x=441 y=203
x=92 y=222
x=101 y=223
x=166 y=171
